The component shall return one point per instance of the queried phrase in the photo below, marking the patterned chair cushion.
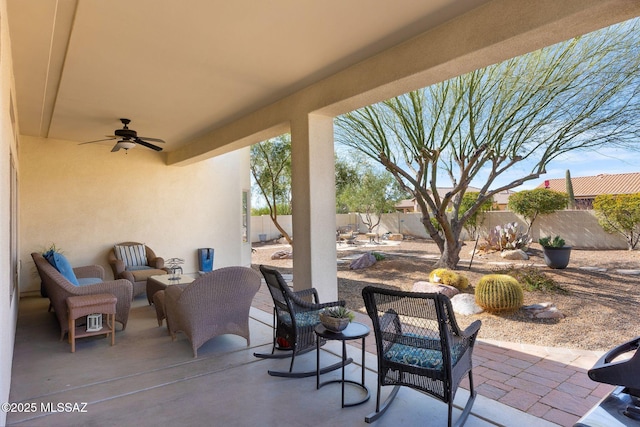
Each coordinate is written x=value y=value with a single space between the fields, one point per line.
x=305 y=318
x=131 y=255
x=420 y=357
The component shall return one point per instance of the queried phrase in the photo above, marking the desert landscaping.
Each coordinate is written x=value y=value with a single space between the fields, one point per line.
x=597 y=290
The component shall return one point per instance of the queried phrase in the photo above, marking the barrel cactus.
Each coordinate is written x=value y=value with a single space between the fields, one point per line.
x=499 y=293
x=448 y=277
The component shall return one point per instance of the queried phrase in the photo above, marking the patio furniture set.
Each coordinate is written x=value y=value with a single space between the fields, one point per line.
x=212 y=304
x=418 y=342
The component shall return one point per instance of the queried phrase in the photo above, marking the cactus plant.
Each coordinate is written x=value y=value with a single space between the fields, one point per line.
x=499 y=293
x=448 y=277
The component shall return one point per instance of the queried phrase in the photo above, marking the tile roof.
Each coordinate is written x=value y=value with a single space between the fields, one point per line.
x=589 y=186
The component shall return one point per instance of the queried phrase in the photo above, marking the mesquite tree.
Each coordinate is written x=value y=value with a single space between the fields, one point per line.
x=270 y=166
x=373 y=195
x=509 y=119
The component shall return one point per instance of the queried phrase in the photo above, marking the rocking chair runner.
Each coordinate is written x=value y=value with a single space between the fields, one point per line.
x=420 y=345
x=295 y=318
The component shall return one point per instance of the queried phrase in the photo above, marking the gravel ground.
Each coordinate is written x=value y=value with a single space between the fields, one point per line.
x=601 y=308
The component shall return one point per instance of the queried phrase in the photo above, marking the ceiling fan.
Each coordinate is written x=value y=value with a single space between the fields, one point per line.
x=128 y=138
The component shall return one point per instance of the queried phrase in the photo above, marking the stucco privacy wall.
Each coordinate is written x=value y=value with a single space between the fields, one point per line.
x=8 y=303
x=579 y=228
x=84 y=199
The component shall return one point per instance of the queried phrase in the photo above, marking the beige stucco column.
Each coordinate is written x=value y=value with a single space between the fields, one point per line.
x=314 y=207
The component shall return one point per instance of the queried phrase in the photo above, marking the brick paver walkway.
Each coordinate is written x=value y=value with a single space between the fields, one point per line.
x=547 y=382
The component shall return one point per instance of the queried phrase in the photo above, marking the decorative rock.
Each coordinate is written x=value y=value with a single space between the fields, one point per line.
x=435 y=288
x=465 y=304
x=366 y=260
x=282 y=255
x=596 y=269
x=551 y=313
x=545 y=310
x=517 y=254
x=395 y=236
x=629 y=272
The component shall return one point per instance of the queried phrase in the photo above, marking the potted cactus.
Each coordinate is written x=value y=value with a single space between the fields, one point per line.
x=336 y=319
x=556 y=253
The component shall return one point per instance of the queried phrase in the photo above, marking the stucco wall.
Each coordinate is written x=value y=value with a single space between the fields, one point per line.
x=8 y=300
x=578 y=228
x=85 y=199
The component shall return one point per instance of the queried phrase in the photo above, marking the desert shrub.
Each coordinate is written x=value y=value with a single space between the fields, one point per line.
x=498 y=293
x=532 y=278
x=378 y=256
x=449 y=277
x=508 y=236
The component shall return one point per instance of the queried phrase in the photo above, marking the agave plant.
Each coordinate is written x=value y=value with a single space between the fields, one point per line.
x=339 y=313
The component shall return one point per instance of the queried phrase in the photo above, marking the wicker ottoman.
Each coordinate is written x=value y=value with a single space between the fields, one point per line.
x=80 y=306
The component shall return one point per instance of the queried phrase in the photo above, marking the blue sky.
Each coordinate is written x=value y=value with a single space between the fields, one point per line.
x=579 y=163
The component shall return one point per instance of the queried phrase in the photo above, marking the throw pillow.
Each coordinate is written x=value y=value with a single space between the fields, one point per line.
x=60 y=263
x=131 y=255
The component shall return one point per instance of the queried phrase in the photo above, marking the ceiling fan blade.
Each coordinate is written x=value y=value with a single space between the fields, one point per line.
x=97 y=140
x=151 y=139
x=116 y=148
x=146 y=144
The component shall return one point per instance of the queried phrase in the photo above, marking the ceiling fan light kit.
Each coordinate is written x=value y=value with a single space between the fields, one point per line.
x=129 y=138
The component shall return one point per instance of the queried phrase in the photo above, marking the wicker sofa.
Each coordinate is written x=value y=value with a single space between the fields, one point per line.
x=58 y=289
x=214 y=304
x=138 y=277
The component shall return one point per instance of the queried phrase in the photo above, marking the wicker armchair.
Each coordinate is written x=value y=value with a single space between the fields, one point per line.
x=58 y=289
x=214 y=304
x=295 y=316
x=420 y=345
x=137 y=277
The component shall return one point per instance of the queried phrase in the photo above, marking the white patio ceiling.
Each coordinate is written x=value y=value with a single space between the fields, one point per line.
x=178 y=69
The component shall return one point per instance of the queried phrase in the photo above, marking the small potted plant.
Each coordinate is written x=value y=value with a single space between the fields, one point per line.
x=556 y=254
x=335 y=319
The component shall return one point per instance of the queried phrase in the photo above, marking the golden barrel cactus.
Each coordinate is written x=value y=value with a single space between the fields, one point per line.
x=499 y=293
x=448 y=277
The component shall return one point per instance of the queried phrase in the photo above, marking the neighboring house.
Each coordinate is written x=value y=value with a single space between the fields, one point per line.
x=407 y=206
x=501 y=199
x=586 y=188
x=410 y=205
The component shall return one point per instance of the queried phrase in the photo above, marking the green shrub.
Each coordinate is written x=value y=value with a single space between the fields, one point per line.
x=532 y=279
x=378 y=256
x=449 y=277
x=499 y=293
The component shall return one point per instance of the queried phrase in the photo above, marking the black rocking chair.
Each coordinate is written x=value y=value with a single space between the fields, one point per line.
x=294 y=319
x=420 y=345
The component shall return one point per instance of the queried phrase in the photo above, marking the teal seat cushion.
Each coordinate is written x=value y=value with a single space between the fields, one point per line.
x=60 y=263
x=303 y=319
x=84 y=281
x=420 y=357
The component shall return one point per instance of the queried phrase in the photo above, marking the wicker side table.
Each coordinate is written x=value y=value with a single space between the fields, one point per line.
x=80 y=306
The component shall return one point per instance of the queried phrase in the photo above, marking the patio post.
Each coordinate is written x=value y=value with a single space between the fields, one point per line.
x=314 y=211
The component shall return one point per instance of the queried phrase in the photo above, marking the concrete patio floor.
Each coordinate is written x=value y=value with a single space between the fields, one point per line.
x=146 y=379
